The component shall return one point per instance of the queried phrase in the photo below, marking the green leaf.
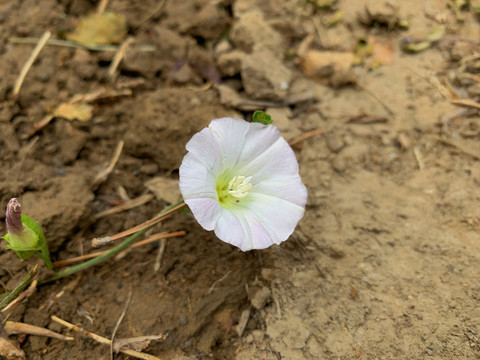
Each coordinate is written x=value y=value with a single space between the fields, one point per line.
x=262 y=118
x=31 y=242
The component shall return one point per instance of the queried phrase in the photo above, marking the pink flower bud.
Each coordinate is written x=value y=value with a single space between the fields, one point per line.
x=13 y=217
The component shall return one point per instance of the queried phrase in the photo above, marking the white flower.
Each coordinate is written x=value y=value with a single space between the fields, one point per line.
x=241 y=180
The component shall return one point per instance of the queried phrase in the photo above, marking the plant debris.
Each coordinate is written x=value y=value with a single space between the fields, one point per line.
x=100 y=29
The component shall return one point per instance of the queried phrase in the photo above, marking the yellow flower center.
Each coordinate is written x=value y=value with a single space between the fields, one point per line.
x=239 y=185
x=231 y=190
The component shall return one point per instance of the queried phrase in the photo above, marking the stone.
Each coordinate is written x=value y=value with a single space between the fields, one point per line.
x=265 y=77
x=252 y=32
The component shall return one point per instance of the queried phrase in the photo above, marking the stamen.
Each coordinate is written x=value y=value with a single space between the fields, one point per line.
x=239 y=186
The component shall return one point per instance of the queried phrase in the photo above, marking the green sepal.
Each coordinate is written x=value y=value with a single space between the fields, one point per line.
x=262 y=118
x=31 y=242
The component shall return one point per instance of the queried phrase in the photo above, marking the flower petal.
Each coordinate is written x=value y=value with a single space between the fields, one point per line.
x=233 y=229
x=206 y=148
x=266 y=220
x=278 y=160
x=195 y=180
x=206 y=211
x=230 y=134
x=257 y=140
x=277 y=216
x=289 y=188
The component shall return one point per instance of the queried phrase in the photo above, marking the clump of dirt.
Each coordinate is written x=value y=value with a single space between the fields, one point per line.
x=383 y=263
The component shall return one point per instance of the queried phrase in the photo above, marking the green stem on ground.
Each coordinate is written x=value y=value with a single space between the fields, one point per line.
x=72 y=44
x=12 y=295
x=113 y=251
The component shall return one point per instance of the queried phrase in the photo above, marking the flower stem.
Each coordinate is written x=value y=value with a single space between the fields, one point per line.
x=113 y=251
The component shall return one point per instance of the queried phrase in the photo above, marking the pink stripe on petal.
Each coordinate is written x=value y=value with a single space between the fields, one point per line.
x=261 y=236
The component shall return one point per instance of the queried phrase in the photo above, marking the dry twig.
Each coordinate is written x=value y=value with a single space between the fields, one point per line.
x=13 y=328
x=23 y=295
x=419 y=158
x=466 y=102
x=161 y=251
x=41 y=43
x=372 y=94
x=102 y=340
x=460 y=147
x=276 y=301
x=102 y=176
x=137 y=343
x=118 y=57
x=130 y=204
x=120 y=319
x=71 y=44
x=217 y=281
x=20 y=287
x=305 y=136
x=27 y=149
x=153 y=12
x=146 y=224
x=102 y=6
x=148 y=240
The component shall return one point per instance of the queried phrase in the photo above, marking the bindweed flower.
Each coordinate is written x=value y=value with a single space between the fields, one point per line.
x=25 y=235
x=241 y=180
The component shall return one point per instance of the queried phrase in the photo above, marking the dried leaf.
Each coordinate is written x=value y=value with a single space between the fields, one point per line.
x=74 y=111
x=100 y=29
x=413 y=45
x=137 y=343
x=165 y=189
x=436 y=33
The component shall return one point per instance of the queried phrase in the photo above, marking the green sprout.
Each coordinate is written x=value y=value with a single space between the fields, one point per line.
x=25 y=235
x=262 y=118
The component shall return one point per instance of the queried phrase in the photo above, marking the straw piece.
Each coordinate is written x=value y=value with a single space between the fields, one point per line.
x=41 y=43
